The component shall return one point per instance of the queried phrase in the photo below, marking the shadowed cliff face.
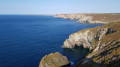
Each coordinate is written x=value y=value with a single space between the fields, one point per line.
x=103 y=41
x=86 y=37
x=76 y=54
x=91 y=18
x=54 y=60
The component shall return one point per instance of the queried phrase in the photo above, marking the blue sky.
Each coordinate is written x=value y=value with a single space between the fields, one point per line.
x=58 y=6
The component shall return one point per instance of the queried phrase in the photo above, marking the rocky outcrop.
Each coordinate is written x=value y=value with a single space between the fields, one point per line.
x=54 y=60
x=105 y=46
x=103 y=41
x=83 y=38
x=91 y=18
x=87 y=37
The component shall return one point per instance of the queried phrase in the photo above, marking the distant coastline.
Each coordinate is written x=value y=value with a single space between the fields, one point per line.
x=102 y=41
x=103 y=18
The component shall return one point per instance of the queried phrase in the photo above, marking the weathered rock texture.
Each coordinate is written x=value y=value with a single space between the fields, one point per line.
x=86 y=37
x=54 y=60
x=104 y=43
x=91 y=18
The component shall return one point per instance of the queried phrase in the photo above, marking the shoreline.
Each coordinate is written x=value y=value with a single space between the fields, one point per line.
x=91 y=18
x=86 y=38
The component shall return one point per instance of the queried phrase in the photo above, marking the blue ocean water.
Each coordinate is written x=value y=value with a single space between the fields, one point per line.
x=25 y=39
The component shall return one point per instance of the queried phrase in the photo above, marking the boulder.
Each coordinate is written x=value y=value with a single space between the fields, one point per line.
x=54 y=60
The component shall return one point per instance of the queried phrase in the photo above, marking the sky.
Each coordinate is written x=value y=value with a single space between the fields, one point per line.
x=58 y=6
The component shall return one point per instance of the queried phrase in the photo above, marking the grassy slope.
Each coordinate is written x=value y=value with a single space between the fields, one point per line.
x=108 y=56
x=105 y=17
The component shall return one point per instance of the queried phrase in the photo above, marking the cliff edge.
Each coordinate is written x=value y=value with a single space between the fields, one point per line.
x=91 y=18
x=103 y=42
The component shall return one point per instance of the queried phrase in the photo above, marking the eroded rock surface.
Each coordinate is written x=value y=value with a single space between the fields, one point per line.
x=80 y=39
x=54 y=60
x=106 y=47
x=87 y=37
x=104 y=43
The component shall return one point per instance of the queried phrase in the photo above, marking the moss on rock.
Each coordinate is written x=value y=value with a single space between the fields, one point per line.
x=54 y=60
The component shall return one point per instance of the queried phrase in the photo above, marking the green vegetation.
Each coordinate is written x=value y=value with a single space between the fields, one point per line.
x=54 y=60
x=105 y=17
x=109 y=54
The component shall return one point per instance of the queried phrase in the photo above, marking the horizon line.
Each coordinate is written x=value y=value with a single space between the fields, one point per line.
x=60 y=13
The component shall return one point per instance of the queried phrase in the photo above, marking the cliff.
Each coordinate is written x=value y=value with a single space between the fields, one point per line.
x=103 y=42
x=87 y=37
x=91 y=18
x=54 y=60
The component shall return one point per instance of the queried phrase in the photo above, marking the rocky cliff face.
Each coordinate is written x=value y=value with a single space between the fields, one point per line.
x=103 y=41
x=82 y=38
x=91 y=18
x=54 y=60
x=86 y=37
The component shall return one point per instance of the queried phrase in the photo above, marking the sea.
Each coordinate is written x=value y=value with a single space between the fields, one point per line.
x=25 y=39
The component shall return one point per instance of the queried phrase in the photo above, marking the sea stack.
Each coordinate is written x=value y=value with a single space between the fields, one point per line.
x=54 y=60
